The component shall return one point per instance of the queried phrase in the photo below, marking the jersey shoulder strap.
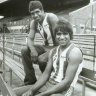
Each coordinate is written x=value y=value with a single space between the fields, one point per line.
x=67 y=56
x=68 y=52
x=51 y=31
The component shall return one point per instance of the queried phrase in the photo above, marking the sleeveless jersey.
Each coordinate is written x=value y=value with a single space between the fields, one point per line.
x=59 y=67
x=45 y=29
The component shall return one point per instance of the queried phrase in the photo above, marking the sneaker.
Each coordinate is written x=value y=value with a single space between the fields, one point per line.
x=29 y=83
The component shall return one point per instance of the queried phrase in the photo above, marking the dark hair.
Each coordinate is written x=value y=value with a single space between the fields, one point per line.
x=64 y=26
x=34 y=5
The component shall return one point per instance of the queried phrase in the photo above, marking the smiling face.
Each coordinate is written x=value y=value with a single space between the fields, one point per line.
x=37 y=14
x=63 y=38
x=63 y=33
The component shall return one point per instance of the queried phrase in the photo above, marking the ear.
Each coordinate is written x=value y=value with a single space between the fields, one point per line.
x=42 y=11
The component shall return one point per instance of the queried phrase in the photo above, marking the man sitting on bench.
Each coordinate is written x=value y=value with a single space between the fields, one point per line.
x=64 y=65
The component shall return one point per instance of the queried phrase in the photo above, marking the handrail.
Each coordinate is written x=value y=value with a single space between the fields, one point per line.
x=87 y=80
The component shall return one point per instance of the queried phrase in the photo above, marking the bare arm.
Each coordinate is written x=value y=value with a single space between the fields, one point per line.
x=30 y=42
x=75 y=59
x=52 y=20
x=42 y=80
x=45 y=76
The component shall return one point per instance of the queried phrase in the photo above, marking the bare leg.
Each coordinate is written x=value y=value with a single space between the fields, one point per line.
x=20 y=90
x=57 y=95
x=42 y=61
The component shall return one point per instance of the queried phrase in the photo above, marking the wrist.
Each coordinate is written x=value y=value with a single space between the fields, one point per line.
x=33 y=90
x=44 y=94
x=32 y=50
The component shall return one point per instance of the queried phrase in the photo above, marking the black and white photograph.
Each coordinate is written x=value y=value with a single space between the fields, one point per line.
x=47 y=47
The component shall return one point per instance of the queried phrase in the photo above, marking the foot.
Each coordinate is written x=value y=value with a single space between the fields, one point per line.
x=29 y=83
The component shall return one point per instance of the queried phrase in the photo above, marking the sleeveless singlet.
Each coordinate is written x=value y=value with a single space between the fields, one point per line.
x=45 y=28
x=59 y=68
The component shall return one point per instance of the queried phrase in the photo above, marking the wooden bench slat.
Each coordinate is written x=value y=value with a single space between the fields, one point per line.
x=87 y=80
x=16 y=63
x=87 y=73
x=5 y=88
x=16 y=71
x=15 y=67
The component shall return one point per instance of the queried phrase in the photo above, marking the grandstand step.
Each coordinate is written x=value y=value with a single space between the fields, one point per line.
x=87 y=73
x=83 y=42
x=89 y=58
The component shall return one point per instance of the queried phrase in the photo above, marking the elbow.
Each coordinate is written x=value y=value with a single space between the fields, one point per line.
x=30 y=40
x=46 y=75
x=68 y=83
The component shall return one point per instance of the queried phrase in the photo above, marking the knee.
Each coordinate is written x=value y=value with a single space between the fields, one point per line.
x=53 y=95
x=24 y=50
x=41 y=60
x=56 y=95
x=42 y=64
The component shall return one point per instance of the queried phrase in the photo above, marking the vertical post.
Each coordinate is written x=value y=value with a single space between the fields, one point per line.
x=83 y=89
x=91 y=1
x=26 y=39
x=5 y=41
x=0 y=39
x=10 y=77
x=91 y=18
x=13 y=47
x=3 y=62
x=94 y=55
x=1 y=66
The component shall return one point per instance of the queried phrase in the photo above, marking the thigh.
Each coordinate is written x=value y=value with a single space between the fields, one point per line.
x=40 y=49
x=25 y=51
x=46 y=86
x=43 y=57
x=20 y=90
x=68 y=92
x=56 y=95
